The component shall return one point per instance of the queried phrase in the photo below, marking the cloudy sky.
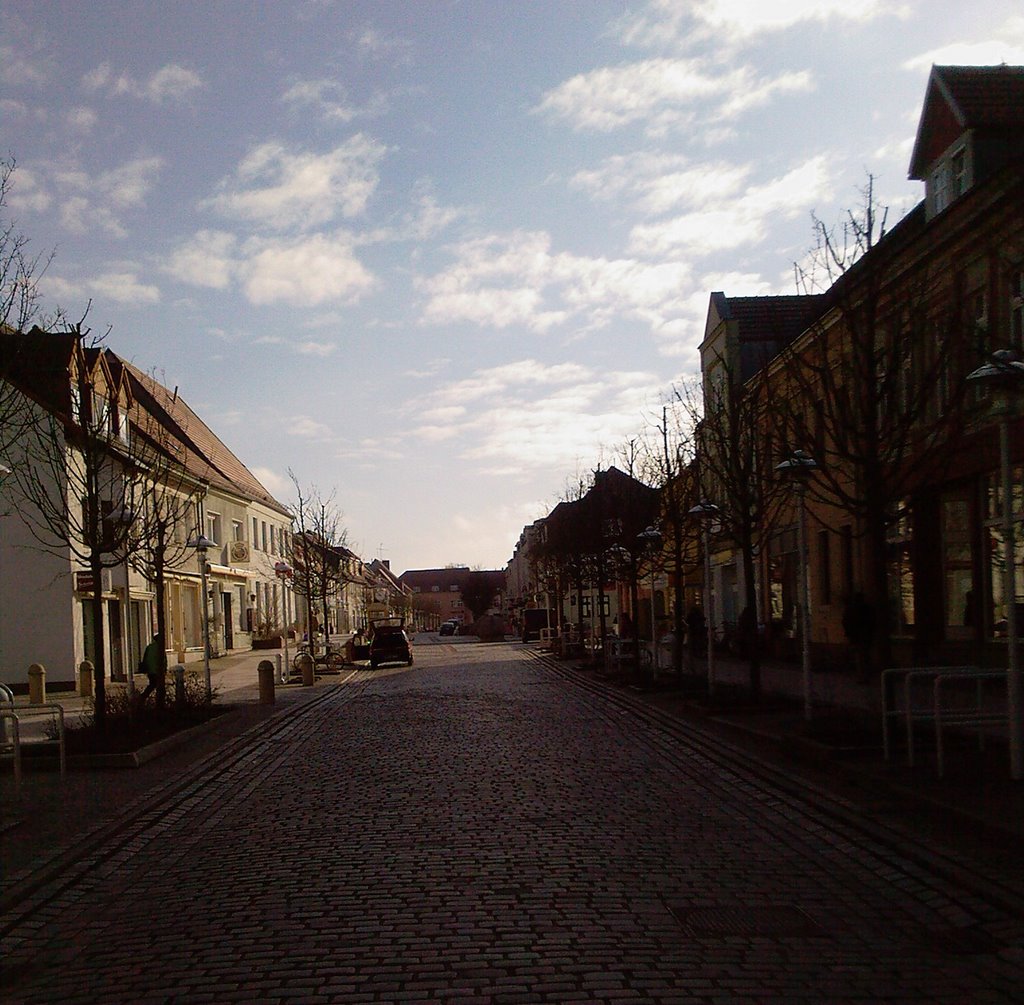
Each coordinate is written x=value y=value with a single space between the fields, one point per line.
x=440 y=256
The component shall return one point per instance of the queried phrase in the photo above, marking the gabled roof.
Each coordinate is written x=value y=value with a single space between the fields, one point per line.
x=41 y=364
x=959 y=98
x=205 y=455
x=441 y=578
x=776 y=319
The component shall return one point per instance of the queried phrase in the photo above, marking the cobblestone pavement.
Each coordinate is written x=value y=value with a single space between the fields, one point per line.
x=478 y=829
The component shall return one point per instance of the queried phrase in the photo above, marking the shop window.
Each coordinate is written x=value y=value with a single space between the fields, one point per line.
x=996 y=614
x=958 y=568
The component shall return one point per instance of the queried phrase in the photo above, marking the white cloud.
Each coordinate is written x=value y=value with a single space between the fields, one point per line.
x=665 y=23
x=23 y=65
x=309 y=428
x=321 y=349
x=515 y=279
x=529 y=414
x=209 y=260
x=170 y=83
x=736 y=222
x=99 y=200
x=328 y=97
x=120 y=285
x=277 y=485
x=1005 y=45
x=81 y=119
x=655 y=184
x=307 y=272
x=124 y=288
x=27 y=192
x=662 y=94
x=275 y=188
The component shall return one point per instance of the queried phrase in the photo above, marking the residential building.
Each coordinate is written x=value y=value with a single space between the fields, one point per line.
x=46 y=586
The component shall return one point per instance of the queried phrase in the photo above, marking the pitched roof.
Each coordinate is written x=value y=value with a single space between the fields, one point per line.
x=773 y=319
x=442 y=578
x=959 y=98
x=39 y=364
x=205 y=454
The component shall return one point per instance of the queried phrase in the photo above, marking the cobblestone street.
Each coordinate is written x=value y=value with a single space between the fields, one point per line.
x=477 y=828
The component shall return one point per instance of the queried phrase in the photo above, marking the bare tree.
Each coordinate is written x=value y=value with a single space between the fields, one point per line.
x=738 y=431
x=875 y=389
x=77 y=470
x=20 y=272
x=669 y=464
x=317 y=549
x=168 y=494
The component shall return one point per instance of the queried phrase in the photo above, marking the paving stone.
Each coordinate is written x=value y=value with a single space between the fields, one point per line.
x=482 y=830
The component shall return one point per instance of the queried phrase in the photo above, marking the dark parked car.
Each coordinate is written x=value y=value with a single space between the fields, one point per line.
x=390 y=644
x=448 y=628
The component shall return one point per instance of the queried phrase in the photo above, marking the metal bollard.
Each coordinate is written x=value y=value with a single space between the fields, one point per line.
x=85 y=678
x=282 y=676
x=266 y=674
x=305 y=662
x=179 y=686
x=37 y=684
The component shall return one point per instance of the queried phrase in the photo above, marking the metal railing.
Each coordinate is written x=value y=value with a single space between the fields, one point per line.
x=11 y=735
x=935 y=712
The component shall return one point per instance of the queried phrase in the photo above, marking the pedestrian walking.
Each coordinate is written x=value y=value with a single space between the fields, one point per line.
x=152 y=665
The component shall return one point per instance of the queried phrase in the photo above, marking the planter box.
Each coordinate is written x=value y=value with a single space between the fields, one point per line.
x=274 y=643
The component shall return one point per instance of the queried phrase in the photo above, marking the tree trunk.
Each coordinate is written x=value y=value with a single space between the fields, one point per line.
x=99 y=656
x=161 y=629
x=748 y=618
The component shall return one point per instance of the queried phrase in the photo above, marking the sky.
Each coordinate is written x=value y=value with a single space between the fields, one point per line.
x=441 y=258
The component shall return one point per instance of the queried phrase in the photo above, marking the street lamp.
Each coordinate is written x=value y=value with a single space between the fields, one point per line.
x=651 y=538
x=284 y=572
x=707 y=514
x=798 y=468
x=1004 y=375
x=202 y=544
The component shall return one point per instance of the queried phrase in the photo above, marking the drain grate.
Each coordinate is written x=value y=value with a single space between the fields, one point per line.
x=781 y=922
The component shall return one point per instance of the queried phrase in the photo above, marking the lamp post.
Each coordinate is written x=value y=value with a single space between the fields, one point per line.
x=1004 y=375
x=284 y=572
x=651 y=538
x=707 y=514
x=202 y=544
x=798 y=468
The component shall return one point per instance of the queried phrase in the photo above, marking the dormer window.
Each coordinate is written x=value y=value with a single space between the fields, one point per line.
x=941 y=195
x=958 y=173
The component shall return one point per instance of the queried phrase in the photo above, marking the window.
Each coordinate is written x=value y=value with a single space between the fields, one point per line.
x=263 y=535
x=454 y=588
x=940 y=188
x=958 y=173
x=213 y=528
x=994 y=540
x=255 y=532
x=435 y=589
x=824 y=568
x=900 y=573
x=958 y=565
x=236 y=530
x=1017 y=309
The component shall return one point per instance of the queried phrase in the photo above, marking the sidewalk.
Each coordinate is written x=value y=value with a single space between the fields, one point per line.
x=50 y=813
x=841 y=746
